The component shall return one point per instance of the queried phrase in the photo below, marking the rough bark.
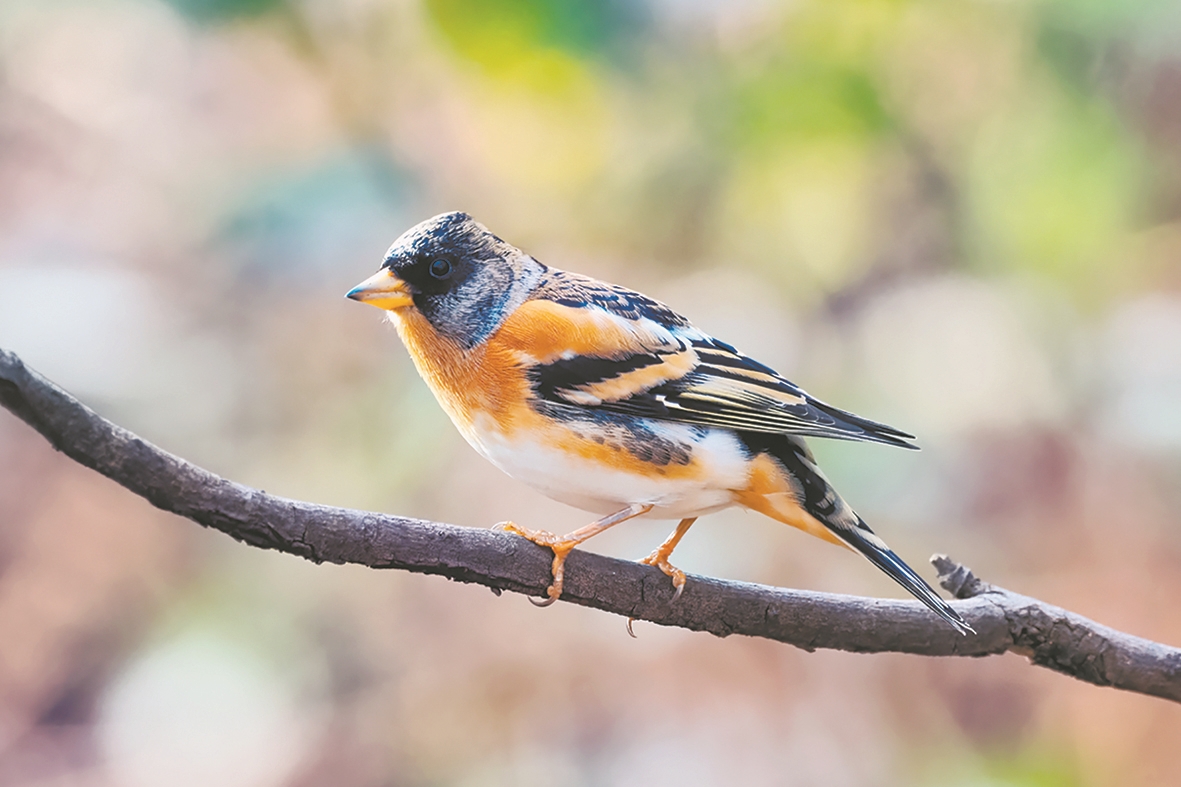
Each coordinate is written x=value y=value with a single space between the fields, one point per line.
x=1005 y=621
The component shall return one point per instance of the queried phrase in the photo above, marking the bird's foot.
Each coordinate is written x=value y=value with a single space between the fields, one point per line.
x=563 y=545
x=659 y=558
x=675 y=574
x=561 y=548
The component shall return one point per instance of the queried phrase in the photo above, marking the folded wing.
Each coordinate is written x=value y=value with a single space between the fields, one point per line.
x=727 y=388
x=664 y=368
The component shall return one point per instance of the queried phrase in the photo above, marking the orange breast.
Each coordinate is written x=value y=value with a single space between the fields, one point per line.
x=485 y=380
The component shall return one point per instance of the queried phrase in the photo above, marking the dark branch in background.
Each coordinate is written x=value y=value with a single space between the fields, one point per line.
x=1049 y=636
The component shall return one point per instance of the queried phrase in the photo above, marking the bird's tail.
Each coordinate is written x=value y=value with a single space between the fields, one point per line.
x=867 y=543
x=788 y=486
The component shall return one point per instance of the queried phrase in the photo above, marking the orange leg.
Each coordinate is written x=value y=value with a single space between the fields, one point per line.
x=564 y=545
x=660 y=557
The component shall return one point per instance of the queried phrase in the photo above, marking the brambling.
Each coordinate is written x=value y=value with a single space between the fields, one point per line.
x=610 y=401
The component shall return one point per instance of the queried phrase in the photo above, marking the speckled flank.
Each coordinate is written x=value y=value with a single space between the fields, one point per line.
x=681 y=470
x=646 y=440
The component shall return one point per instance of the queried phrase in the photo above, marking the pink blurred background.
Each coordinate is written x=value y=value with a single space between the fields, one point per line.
x=963 y=219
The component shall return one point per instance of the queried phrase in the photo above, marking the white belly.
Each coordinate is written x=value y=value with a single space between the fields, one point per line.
x=719 y=462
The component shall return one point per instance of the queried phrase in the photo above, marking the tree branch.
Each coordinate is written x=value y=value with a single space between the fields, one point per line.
x=1051 y=637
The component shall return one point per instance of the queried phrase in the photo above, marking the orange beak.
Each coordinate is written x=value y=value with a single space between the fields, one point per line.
x=383 y=290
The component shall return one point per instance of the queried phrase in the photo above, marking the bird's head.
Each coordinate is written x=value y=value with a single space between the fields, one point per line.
x=454 y=272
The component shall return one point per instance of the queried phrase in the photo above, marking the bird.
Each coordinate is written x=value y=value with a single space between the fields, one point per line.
x=609 y=401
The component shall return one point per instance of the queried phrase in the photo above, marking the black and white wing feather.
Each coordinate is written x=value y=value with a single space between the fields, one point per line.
x=675 y=372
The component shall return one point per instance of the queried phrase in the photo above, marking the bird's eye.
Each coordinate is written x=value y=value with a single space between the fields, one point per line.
x=440 y=269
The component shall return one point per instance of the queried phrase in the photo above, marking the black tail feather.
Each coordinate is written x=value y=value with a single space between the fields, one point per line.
x=819 y=499
x=885 y=559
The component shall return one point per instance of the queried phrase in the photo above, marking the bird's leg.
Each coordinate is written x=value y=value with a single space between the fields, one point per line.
x=562 y=546
x=659 y=558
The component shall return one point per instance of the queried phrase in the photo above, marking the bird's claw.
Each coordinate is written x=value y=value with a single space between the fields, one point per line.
x=543 y=602
x=671 y=571
x=543 y=538
x=561 y=549
x=674 y=573
x=562 y=546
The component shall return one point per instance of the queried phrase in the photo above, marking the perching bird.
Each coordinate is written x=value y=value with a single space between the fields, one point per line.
x=607 y=400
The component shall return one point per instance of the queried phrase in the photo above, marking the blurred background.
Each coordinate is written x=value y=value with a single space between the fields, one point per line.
x=962 y=218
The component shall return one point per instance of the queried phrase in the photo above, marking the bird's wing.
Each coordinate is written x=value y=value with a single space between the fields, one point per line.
x=589 y=344
x=727 y=388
